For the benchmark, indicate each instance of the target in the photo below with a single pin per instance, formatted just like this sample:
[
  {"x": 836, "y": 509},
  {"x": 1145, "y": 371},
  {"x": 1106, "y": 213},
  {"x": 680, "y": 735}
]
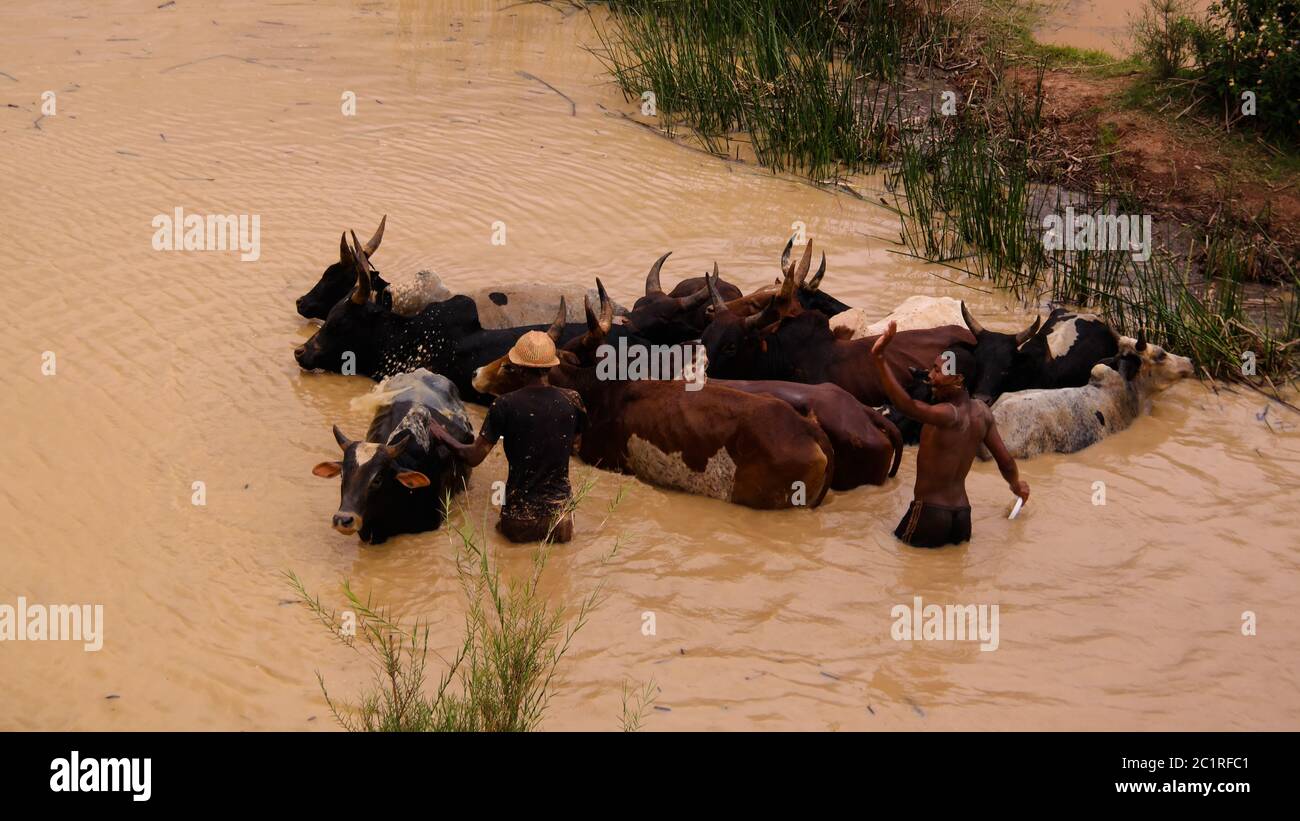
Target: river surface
[
  {"x": 175, "y": 367},
  {"x": 1100, "y": 25}
]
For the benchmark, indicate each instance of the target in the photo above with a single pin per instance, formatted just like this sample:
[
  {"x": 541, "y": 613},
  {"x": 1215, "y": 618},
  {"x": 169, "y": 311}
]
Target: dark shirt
[{"x": 539, "y": 424}]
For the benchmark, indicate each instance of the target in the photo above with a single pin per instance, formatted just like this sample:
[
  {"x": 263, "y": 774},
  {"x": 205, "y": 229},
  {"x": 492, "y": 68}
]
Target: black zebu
[
  {"x": 397, "y": 479},
  {"x": 338, "y": 278},
  {"x": 446, "y": 337}
]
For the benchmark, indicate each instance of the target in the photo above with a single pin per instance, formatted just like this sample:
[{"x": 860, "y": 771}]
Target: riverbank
[{"x": 923, "y": 87}]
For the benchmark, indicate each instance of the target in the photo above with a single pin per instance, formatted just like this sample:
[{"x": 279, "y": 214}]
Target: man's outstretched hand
[
  {"x": 1021, "y": 489},
  {"x": 884, "y": 339},
  {"x": 442, "y": 434}
]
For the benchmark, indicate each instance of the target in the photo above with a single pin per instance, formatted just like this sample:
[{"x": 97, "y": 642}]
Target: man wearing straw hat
[{"x": 541, "y": 425}]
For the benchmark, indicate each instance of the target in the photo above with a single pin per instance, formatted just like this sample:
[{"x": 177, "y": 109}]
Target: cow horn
[
  {"x": 711, "y": 284},
  {"x": 686, "y": 303},
  {"x": 767, "y": 316},
  {"x": 373, "y": 244},
  {"x": 361, "y": 293},
  {"x": 395, "y": 449},
  {"x": 974, "y": 326},
  {"x": 606, "y": 307},
  {"x": 652, "y": 286},
  {"x": 345, "y": 253},
  {"x": 341, "y": 438},
  {"x": 785, "y": 255},
  {"x": 557, "y": 327},
  {"x": 592, "y": 322},
  {"x": 1028, "y": 333},
  {"x": 692, "y": 301},
  {"x": 804, "y": 262},
  {"x": 1141, "y": 342},
  {"x": 817, "y": 277}
]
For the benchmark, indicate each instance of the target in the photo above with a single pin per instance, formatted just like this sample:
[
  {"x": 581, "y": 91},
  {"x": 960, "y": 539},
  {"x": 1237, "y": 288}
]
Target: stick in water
[{"x": 1015, "y": 511}]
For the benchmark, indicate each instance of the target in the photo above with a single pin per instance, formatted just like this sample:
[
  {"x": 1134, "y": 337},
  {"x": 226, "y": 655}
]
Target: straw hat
[{"x": 534, "y": 350}]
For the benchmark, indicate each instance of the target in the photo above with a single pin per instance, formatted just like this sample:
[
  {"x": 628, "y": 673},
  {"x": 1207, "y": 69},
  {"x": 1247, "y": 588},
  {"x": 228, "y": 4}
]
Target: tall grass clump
[
  {"x": 500, "y": 678},
  {"x": 810, "y": 83},
  {"x": 967, "y": 196}
]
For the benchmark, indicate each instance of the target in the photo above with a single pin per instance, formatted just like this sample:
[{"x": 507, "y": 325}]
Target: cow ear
[
  {"x": 413, "y": 479},
  {"x": 1129, "y": 366},
  {"x": 327, "y": 470}
]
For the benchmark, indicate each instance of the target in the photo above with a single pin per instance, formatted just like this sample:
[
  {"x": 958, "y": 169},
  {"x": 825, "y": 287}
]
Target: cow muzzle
[{"x": 347, "y": 522}]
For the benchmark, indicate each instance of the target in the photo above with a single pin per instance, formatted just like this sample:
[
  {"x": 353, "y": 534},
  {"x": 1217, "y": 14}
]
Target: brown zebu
[
  {"x": 750, "y": 449},
  {"x": 864, "y": 440},
  {"x": 802, "y": 348}
]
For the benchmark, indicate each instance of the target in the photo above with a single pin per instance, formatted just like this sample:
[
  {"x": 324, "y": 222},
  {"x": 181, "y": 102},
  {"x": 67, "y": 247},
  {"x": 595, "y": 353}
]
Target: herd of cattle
[{"x": 791, "y": 407}]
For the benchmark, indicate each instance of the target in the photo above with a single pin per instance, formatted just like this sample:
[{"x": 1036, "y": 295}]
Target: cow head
[
  {"x": 784, "y": 294},
  {"x": 808, "y": 291},
  {"x": 337, "y": 280},
  {"x": 350, "y": 326},
  {"x": 1000, "y": 365},
  {"x": 1160, "y": 369},
  {"x": 367, "y": 468},
  {"x": 731, "y": 340},
  {"x": 669, "y": 318}
]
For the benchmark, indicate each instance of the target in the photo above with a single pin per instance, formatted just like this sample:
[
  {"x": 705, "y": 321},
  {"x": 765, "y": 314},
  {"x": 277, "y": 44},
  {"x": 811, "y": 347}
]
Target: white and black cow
[
  {"x": 1060, "y": 354},
  {"x": 398, "y": 479},
  {"x": 1065, "y": 420}
]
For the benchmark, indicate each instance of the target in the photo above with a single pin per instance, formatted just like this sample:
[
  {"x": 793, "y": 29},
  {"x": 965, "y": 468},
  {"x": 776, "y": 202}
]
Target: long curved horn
[
  {"x": 974, "y": 326},
  {"x": 816, "y": 281},
  {"x": 652, "y": 286},
  {"x": 592, "y": 322},
  {"x": 711, "y": 284},
  {"x": 396, "y": 449},
  {"x": 361, "y": 293},
  {"x": 606, "y": 307},
  {"x": 557, "y": 327},
  {"x": 687, "y": 303},
  {"x": 373, "y": 245},
  {"x": 1028, "y": 333},
  {"x": 767, "y": 316},
  {"x": 341, "y": 438},
  {"x": 345, "y": 253},
  {"x": 804, "y": 262},
  {"x": 785, "y": 255}
]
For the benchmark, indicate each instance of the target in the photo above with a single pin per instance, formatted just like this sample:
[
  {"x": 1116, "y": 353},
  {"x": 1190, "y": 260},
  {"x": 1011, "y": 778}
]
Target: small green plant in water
[{"x": 501, "y": 677}]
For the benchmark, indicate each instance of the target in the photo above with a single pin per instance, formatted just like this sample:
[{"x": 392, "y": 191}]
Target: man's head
[
  {"x": 953, "y": 370},
  {"x": 533, "y": 353}
]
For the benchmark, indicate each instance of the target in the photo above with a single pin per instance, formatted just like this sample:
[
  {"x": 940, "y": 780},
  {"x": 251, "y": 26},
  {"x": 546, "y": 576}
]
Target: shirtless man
[{"x": 952, "y": 431}]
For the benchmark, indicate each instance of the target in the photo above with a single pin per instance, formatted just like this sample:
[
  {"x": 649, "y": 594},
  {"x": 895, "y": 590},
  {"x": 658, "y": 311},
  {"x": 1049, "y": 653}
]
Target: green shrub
[
  {"x": 1254, "y": 45},
  {"x": 1163, "y": 36}
]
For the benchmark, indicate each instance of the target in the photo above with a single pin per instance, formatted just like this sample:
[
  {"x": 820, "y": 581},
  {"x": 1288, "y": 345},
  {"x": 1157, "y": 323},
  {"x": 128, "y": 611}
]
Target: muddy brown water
[
  {"x": 176, "y": 367},
  {"x": 1100, "y": 25}
]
